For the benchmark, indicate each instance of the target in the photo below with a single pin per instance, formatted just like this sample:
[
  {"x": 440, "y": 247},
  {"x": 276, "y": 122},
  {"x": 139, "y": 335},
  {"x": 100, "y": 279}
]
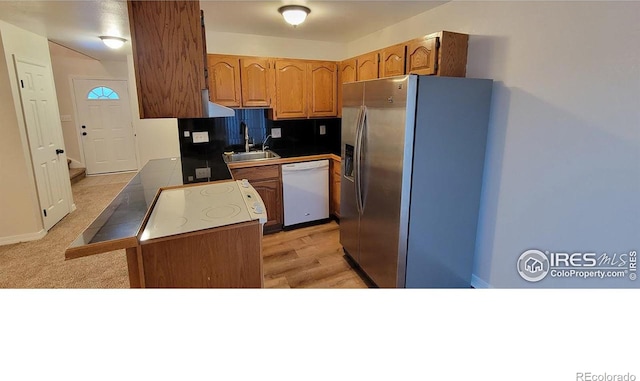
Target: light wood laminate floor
[{"x": 309, "y": 257}]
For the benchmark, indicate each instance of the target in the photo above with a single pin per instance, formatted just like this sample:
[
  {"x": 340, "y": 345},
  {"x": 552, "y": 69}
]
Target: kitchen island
[{"x": 121, "y": 223}]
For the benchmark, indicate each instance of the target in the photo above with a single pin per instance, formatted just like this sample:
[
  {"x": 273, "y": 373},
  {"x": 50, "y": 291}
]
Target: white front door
[
  {"x": 44, "y": 133},
  {"x": 105, "y": 125}
]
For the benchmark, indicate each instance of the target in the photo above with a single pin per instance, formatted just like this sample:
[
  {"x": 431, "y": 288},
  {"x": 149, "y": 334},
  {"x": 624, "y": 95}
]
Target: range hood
[{"x": 214, "y": 110}]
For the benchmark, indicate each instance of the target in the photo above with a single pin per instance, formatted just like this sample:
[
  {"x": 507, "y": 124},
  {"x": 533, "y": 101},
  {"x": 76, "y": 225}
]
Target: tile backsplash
[{"x": 211, "y": 136}]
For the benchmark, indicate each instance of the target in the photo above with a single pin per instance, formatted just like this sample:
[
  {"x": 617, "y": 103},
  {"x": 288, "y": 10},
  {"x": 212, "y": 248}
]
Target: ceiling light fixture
[
  {"x": 294, "y": 14},
  {"x": 113, "y": 42}
]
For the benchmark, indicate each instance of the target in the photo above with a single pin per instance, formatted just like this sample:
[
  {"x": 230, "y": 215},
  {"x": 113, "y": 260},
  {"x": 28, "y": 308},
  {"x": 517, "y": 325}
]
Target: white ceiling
[{"x": 77, "y": 24}]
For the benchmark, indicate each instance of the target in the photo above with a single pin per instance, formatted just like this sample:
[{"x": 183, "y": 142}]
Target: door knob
[
  {"x": 84, "y": 134},
  {"x": 59, "y": 151},
  {"x": 84, "y": 126}
]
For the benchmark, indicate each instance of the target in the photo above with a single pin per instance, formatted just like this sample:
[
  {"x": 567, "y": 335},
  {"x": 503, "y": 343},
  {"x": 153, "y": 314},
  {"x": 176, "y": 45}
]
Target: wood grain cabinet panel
[
  {"x": 422, "y": 56},
  {"x": 291, "y": 89},
  {"x": 452, "y": 54},
  {"x": 271, "y": 193},
  {"x": 334, "y": 201},
  {"x": 224, "y": 257},
  {"x": 392, "y": 61},
  {"x": 266, "y": 181},
  {"x": 257, "y": 81},
  {"x": 323, "y": 83},
  {"x": 167, "y": 43},
  {"x": 346, "y": 74},
  {"x": 224, "y": 80},
  {"x": 367, "y": 66},
  {"x": 348, "y": 71}
]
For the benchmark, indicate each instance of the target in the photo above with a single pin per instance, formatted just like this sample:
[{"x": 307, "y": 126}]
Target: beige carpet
[{"x": 41, "y": 264}]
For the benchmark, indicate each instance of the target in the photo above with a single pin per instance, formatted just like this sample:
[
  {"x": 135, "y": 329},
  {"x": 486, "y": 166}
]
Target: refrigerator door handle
[
  {"x": 358, "y": 159},
  {"x": 362, "y": 157}
]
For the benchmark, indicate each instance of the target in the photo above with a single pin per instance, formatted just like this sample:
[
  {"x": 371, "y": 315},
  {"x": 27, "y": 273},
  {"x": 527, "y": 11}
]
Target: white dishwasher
[{"x": 305, "y": 190}]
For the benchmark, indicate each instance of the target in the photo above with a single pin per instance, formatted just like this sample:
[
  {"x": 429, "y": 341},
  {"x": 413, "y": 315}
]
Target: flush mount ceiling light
[
  {"x": 113, "y": 42},
  {"x": 294, "y": 14}
]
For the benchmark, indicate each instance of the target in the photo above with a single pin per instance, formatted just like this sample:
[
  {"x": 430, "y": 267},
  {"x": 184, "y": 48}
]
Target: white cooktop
[{"x": 199, "y": 207}]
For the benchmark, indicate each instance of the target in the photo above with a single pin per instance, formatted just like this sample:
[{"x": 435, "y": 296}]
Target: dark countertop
[{"x": 118, "y": 225}]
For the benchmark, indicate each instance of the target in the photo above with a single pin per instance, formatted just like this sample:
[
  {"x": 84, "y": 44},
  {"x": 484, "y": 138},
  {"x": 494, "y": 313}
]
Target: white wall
[
  {"x": 68, "y": 64},
  {"x": 563, "y": 158},
  {"x": 155, "y": 138},
  {"x": 266, "y": 46},
  {"x": 19, "y": 205}
]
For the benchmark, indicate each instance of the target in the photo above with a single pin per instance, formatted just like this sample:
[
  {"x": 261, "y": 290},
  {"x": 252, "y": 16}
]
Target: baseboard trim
[
  {"x": 479, "y": 283},
  {"x": 22, "y": 238}
]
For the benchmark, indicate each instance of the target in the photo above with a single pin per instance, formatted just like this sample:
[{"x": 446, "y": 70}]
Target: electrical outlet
[
  {"x": 323, "y": 130},
  {"x": 200, "y": 137},
  {"x": 203, "y": 173},
  {"x": 276, "y": 133}
]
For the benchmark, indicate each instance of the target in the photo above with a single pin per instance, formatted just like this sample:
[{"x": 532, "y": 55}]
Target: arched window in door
[{"x": 102, "y": 92}]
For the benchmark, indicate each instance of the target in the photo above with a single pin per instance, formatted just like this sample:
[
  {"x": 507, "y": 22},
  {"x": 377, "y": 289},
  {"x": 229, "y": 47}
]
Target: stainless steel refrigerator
[{"x": 413, "y": 151}]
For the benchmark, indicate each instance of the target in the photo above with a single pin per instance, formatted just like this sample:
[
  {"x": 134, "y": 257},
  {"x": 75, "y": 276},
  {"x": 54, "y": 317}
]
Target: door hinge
[
  {"x": 45, "y": 212},
  {"x": 437, "y": 43}
]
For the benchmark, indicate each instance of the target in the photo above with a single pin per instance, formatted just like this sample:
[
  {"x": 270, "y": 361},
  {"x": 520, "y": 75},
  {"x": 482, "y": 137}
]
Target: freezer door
[
  {"x": 387, "y": 146},
  {"x": 352, "y": 96}
]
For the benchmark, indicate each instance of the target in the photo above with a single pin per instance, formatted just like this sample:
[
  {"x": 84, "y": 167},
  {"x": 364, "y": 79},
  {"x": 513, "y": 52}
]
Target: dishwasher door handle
[{"x": 295, "y": 169}]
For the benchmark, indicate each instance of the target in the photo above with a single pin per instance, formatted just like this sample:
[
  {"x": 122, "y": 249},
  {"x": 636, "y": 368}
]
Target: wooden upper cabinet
[
  {"x": 166, "y": 37},
  {"x": 224, "y": 80},
  {"x": 346, "y": 74},
  {"x": 291, "y": 89},
  {"x": 257, "y": 81},
  {"x": 367, "y": 66},
  {"x": 392, "y": 61},
  {"x": 422, "y": 56},
  {"x": 452, "y": 54},
  {"x": 323, "y": 89},
  {"x": 348, "y": 71}
]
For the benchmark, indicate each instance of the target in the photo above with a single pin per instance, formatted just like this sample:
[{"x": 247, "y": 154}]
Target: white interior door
[
  {"x": 45, "y": 140},
  {"x": 106, "y": 131}
]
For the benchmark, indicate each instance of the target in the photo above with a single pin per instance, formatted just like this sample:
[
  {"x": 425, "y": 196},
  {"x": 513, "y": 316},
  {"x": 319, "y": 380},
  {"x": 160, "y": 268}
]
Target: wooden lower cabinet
[
  {"x": 267, "y": 182},
  {"x": 271, "y": 193},
  {"x": 336, "y": 176},
  {"x": 224, "y": 257}
]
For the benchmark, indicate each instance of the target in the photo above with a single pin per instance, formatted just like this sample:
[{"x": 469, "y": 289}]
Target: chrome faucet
[
  {"x": 246, "y": 136},
  {"x": 264, "y": 142}
]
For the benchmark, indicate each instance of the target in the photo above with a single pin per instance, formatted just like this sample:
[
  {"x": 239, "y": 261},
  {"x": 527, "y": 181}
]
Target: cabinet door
[
  {"x": 422, "y": 56},
  {"x": 323, "y": 83},
  {"x": 271, "y": 193},
  {"x": 392, "y": 61},
  {"x": 266, "y": 181},
  {"x": 291, "y": 89},
  {"x": 348, "y": 71},
  {"x": 367, "y": 66},
  {"x": 257, "y": 82},
  {"x": 346, "y": 74},
  {"x": 166, "y": 38},
  {"x": 224, "y": 80}
]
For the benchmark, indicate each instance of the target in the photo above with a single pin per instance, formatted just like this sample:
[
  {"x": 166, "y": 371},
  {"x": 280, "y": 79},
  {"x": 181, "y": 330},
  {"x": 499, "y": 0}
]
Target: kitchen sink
[{"x": 250, "y": 156}]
